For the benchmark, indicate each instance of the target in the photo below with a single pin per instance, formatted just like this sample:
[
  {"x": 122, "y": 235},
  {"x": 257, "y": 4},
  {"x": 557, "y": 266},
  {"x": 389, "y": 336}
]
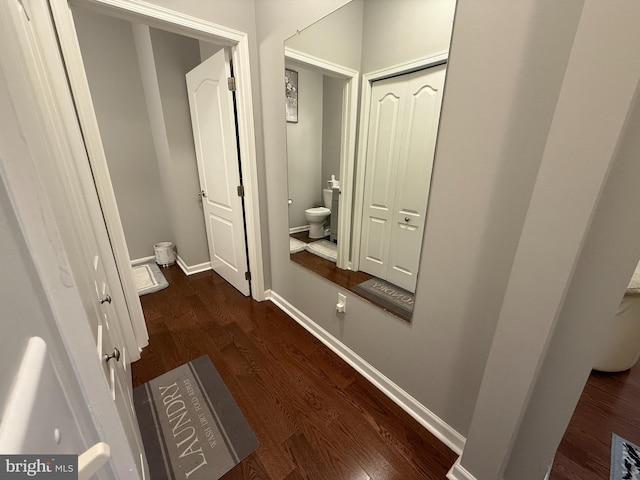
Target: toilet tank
[{"x": 327, "y": 195}]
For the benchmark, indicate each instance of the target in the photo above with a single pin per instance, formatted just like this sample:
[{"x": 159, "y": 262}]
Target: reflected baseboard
[
  {"x": 429, "y": 420},
  {"x": 302, "y": 228},
  {"x": 458, "y": 472}
]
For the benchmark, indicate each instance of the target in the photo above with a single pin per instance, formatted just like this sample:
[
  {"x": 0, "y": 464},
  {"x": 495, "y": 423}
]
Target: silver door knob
[
  {"x": 115, "y": 354},
  {"x": 105, "y": 299},
  {"x": 202, "y": 194}
]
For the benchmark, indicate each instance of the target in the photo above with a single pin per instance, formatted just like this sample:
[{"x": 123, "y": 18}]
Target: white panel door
[
  {"x": 387, "y": 107},
  {"x": 403, "y": 125},
  {"x": 214, "y": 134},
  {"x": 415, "y": 165}
]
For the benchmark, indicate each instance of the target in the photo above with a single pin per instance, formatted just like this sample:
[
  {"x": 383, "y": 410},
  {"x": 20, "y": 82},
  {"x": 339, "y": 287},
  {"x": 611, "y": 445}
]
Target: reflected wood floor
[
  {"x": 315, "y": 417},
  {"x": 610, "y": 403},
  {"x": 326, "y": 268}
]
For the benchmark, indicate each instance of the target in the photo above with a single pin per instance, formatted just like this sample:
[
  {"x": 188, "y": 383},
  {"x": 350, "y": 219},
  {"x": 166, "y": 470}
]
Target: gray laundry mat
[
  {"x": 389, "y": 296},
  {"x": 191, "y": 426}
]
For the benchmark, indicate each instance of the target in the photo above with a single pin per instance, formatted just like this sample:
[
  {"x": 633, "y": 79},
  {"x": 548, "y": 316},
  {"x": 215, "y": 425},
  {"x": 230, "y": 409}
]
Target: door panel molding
[
  {"x": 399, "y": 160},
  {"x": 365, "y": 110}
]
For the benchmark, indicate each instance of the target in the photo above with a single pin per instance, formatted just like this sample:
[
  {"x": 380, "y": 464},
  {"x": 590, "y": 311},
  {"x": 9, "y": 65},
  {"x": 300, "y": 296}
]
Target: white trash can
[
  {"x": 619, "y": 345},
  {"x": 165, "y": 254}
]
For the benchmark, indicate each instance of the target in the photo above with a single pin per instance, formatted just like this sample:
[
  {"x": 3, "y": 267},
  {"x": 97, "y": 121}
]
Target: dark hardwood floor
[
  {"x": 610, "y": 403},
  {"x": 325, "y": 268},
  {"x": 315, "y": 417}
]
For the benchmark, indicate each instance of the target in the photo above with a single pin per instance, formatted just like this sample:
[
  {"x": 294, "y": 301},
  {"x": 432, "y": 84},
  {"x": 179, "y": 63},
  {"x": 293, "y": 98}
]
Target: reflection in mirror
[{"x": 361, "y": 142}]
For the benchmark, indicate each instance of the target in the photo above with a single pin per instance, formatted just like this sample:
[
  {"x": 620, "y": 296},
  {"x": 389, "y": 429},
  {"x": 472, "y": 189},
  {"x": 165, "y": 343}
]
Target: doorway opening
[
  {"x": 136, "y": 77},
  {"x": 164, "y": 23}
]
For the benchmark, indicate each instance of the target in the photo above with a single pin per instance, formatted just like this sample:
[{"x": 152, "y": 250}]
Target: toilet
[{"x": 318, "y": 215}]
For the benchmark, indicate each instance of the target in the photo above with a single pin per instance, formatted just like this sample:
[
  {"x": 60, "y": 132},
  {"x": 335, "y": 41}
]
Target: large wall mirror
[{"x": 363, "y": 93}]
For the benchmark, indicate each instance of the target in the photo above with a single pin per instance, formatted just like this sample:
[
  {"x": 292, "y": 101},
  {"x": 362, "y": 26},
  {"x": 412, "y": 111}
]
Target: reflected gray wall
[
  {"x": 331, "y": 128},
  {"x": 313, "y": 143},
  {"x": 304, "y": 147},
  {"x": 338, "y": 38},
  {"x": 398, "y": 31}
]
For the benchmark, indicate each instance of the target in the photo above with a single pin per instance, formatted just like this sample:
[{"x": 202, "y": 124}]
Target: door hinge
[
  {"x": 241, "y": 190},
  {"x": 247, "y": 276},
  {"x": 231, "y": 83}
]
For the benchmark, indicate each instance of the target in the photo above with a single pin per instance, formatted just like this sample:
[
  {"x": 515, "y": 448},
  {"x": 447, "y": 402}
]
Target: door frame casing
[
  {"x": 348, "y": 143},
  {"x": 176, "y": 22},
  {"x": 365, "y": 110}
]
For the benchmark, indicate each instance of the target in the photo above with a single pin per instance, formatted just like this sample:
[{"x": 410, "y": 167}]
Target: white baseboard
[
  {"x": 440, "y": 429},
  {"x": 302, "y": 228},
  {"x": 191, "y": 269},
  {"x": 139, "y": 261},
  {"x": 458, "y": 472}
]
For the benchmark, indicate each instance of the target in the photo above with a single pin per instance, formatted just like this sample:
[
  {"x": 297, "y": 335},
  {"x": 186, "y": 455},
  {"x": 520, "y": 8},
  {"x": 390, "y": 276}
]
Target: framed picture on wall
[{"x": 291, "y": 94}]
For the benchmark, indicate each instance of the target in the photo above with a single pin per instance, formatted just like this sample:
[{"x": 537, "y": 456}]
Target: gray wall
[
  {"x": 304, "y": 147},
  {"x": 207, "y": 49},
  {"x": 587, "y": 311},
  {"x": 116, "y": 89},
  {"x": 239, "y": 15},
  {"x": 175, "y": 55},
  {"x": 155, "y": 184},
  {"x": 578, "y": 247},
  {"x": 478, "y": 202}
]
